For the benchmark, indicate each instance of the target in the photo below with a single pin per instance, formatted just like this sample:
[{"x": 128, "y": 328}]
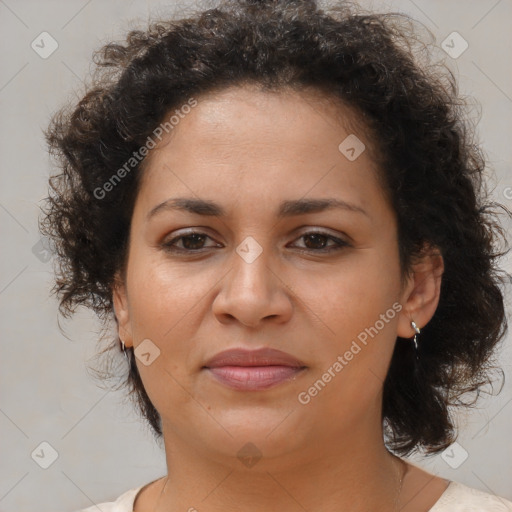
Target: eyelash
[{"x": 169, "y": 247}]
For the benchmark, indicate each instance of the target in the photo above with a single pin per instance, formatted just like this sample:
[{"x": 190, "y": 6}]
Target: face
[{"x": 265, "y": 263}]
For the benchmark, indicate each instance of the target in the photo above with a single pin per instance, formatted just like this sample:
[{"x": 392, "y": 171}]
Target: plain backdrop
[{"x": 100, "y": 446}]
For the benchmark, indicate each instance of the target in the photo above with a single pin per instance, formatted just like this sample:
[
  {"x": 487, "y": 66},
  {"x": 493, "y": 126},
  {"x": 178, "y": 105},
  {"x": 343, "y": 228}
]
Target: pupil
[
  {"x": 316, "y": 237},
  {"x": 197, "y": 239}
]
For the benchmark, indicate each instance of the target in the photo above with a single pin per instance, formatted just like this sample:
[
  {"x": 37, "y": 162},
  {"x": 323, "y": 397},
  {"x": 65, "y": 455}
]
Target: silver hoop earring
[
  {"x": 124, "y": 350},
  {"x": 417, "y": 331}
]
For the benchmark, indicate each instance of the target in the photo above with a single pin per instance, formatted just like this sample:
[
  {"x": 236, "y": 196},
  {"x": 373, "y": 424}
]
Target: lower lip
[{"x": 253, "y": 378}]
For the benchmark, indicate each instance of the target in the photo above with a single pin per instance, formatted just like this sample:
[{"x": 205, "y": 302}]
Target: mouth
[
  {"x": 254, "y": 378},
  {"x": 254, "y": 370}
]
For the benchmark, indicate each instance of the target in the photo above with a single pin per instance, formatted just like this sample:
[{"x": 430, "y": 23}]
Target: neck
[{"x": 353, "y": 471}]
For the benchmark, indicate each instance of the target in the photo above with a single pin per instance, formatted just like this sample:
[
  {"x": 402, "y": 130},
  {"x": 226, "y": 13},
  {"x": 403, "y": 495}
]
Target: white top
[{"x": 456, "y": 498}]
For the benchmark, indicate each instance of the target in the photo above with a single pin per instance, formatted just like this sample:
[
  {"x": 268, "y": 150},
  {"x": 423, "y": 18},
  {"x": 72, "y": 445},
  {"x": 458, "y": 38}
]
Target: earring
[
  {"x": 124, "y": 349},
  {"x": 417, "y": 330}
]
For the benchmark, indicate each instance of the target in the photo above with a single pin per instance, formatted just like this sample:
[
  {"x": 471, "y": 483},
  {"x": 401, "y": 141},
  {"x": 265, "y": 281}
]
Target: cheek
[
  {"x": 151, "y": 303},
  {"x": 354, "y": 292},
  {"x": 357, "y": 305},
  {"x": 162, "y": 308},
  {"x": 165, "y": 298}
]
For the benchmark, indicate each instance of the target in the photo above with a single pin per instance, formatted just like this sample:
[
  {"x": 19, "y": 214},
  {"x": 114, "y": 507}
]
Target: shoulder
[
  {"x": 122, "y": 504},
  {"x": 460, "y": 498}
]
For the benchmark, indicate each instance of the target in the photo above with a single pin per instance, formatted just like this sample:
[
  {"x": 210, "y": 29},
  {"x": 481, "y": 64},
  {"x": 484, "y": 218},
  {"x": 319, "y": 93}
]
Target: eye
[
  {"x": 316, "y": 238},
  {"x": 193, "y": 242}
]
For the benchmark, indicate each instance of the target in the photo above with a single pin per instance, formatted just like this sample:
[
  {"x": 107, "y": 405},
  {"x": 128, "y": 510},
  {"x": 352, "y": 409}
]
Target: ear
[
  {"x": 420, "y": 296},
  {"x": 122, "y": 311}
]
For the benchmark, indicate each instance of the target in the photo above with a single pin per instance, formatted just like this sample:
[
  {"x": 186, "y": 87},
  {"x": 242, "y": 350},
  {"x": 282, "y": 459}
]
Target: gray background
[{"x": 46, "y": 393}]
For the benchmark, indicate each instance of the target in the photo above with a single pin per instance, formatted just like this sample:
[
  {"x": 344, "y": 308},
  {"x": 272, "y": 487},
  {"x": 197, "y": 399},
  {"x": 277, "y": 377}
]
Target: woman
[{"x": 284, "y": 215}]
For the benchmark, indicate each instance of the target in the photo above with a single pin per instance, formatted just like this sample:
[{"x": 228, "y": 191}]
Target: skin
[{"x": 328, "y": 454}]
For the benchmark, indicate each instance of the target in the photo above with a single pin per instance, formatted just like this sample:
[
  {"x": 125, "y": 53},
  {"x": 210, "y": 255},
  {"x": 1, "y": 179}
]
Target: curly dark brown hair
[{"x": 431, "y": 169}]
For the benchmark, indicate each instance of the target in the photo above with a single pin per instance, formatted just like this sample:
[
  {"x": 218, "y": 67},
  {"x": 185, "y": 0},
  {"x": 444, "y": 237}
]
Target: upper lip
[{"x": 260, "y": 357}]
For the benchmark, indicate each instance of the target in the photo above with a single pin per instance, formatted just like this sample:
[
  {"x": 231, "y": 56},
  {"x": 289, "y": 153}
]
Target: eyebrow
[{"x": 286, "y": 208}]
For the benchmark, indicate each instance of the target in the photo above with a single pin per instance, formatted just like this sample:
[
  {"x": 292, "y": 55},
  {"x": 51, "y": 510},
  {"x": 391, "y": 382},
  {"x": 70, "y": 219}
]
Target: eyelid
[
  {"x": 187, "y": 232},
  {"x": 340, "y": 241}
]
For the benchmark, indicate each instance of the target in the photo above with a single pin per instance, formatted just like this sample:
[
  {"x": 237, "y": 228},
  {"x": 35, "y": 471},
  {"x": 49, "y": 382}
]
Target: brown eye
[
  {"x": 316, "y": 241},
  {"x": 191, "y": 242},
  {"x": 194, "y": 242}
]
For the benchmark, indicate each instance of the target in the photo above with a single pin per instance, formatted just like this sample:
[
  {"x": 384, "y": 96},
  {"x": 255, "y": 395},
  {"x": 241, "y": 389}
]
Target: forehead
[
  {"x": 242, "y": 141},
  {"x": 249, "y": 115}
]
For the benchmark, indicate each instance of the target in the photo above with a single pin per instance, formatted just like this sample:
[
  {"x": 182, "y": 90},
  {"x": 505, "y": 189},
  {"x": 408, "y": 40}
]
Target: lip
[
  {"x": 253, "y": 370},
  {"x": 260, "y": 357}
]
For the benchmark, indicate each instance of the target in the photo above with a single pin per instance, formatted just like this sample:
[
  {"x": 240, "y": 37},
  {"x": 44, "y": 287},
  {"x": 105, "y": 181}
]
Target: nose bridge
[
  {"x": 250, "y": 291},
  {"x": 251, "y": 263}
]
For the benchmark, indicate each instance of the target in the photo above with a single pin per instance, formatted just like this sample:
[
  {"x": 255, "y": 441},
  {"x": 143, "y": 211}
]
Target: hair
[{"x": 429, "y": 162}]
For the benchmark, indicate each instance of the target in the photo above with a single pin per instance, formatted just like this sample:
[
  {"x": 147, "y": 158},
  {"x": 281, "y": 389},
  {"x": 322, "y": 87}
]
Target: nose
[{"x": 252, "y": 292}]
